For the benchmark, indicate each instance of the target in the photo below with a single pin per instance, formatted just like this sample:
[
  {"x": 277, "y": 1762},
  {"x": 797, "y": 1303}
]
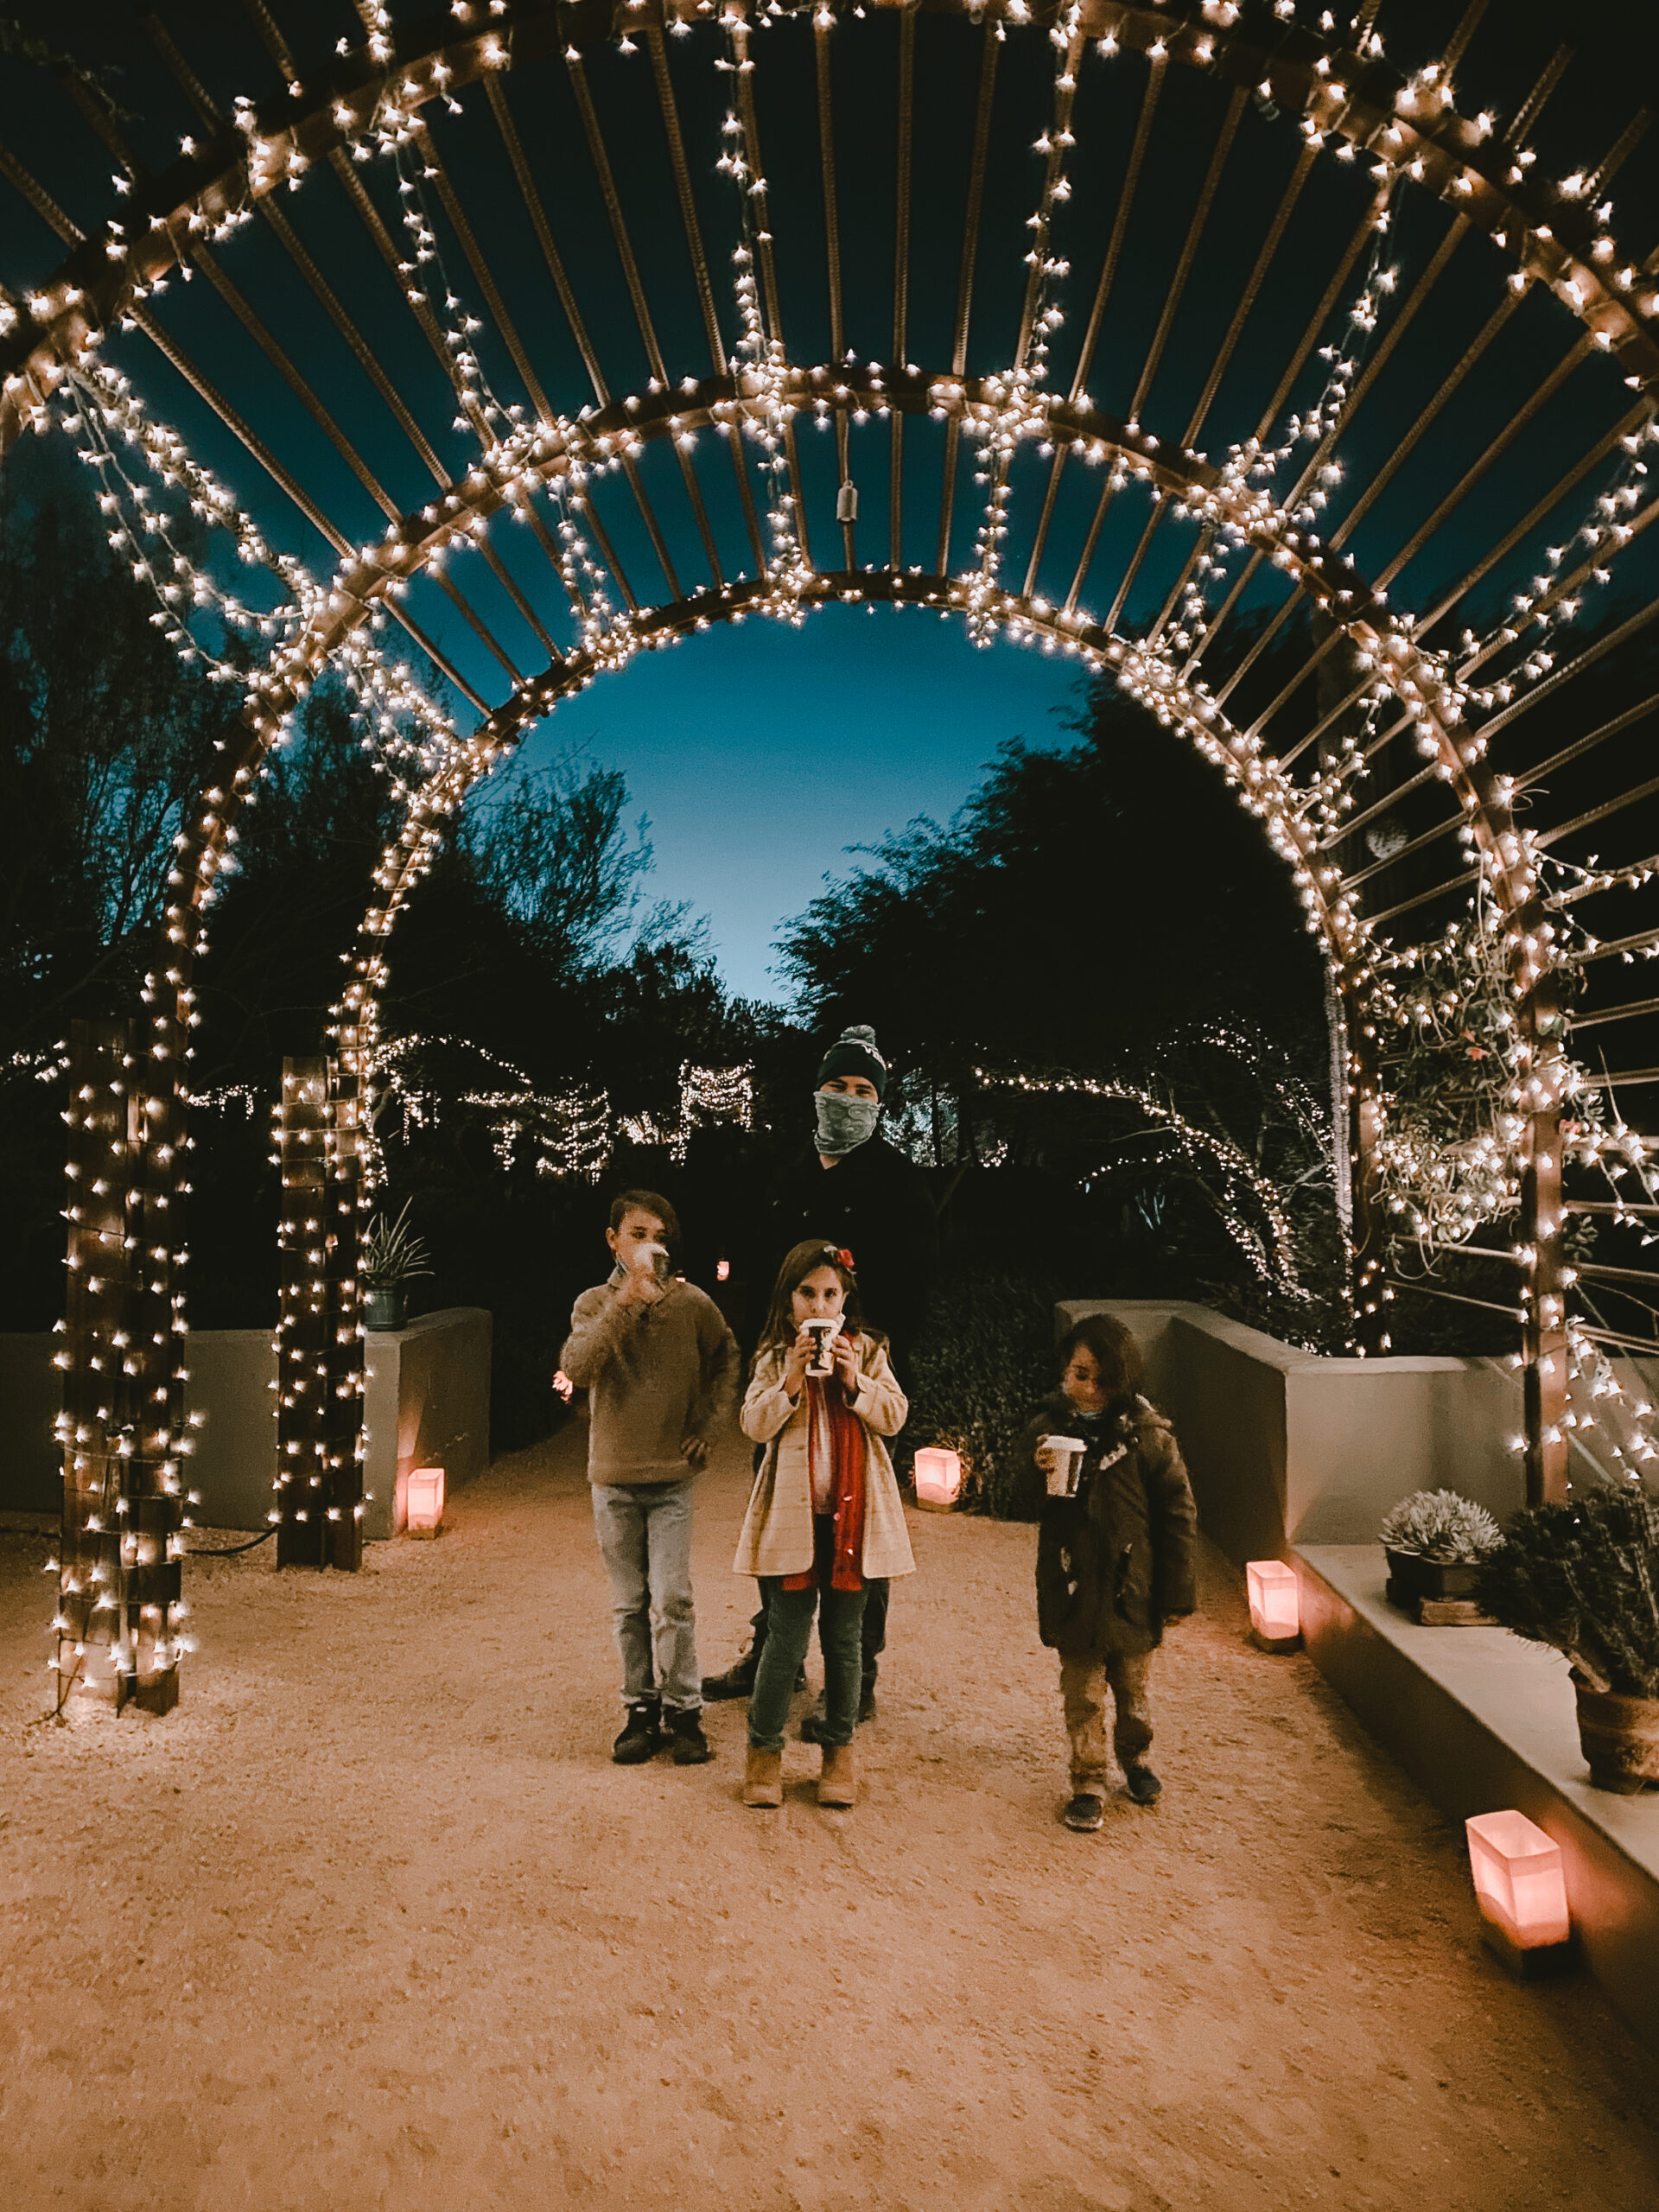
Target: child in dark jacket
[{"x": 1114, "y": 1561}]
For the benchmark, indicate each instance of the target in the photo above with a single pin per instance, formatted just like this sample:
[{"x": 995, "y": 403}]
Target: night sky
[{"x": 761, "y": 753}]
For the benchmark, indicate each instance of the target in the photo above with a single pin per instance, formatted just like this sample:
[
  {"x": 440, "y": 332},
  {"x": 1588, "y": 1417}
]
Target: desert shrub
[
  {"x": 1440, "y": 1525},
  {"x": 976, "y": 1375},
  {"x": 1585, "y": 1578}
]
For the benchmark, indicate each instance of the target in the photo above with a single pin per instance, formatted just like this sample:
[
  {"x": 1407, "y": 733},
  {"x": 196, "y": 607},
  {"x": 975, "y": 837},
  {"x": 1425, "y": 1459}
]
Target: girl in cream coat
[{"x": 826, "y": 1512}]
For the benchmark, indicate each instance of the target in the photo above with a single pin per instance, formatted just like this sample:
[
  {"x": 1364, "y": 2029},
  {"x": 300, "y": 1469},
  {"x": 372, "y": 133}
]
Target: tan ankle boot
[
  {"x": 763, "y": 1778},
  {"x": 838, "y": 1784}
]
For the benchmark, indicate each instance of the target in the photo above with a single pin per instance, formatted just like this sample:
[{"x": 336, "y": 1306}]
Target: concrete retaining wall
[
  {"x": 1482, "y": 1721},
  {"x": 428, "y": 1403},
  {"x": 1286, "y": 1447},
  {"x": 31, "y": 1398}
]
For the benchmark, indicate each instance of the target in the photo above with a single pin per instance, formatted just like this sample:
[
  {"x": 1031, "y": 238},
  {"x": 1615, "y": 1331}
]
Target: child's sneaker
[
  {"x": 691, "y": 1747},
  {"x": 1085, "y": 1813},
  {"x": 642, "y": 1738},
  {"x": 1144, "y": 1785}
]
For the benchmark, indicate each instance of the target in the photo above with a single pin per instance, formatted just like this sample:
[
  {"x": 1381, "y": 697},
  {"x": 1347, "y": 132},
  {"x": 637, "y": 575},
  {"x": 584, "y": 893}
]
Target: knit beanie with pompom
[{"x": 853, "y": 1052}]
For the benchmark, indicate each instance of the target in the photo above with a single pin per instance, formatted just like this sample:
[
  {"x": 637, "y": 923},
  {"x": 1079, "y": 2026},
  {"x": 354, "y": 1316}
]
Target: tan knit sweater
[{"x": 657, "y": 1377}]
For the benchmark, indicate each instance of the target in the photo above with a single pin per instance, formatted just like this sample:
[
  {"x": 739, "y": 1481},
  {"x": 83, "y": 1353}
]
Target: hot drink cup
[
  {"x": 1063, "y": 1475},
  {"x": 652, "y": 1260},
  {"x": 824, "y": 1334}
]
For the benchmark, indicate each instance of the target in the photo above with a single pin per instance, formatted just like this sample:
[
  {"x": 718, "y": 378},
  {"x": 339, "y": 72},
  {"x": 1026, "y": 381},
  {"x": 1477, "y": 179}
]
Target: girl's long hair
[{"x": 800, "y": 1261}]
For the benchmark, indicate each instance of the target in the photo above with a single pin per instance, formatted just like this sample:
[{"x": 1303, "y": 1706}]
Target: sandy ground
[{"x": 373, "y": 1921}]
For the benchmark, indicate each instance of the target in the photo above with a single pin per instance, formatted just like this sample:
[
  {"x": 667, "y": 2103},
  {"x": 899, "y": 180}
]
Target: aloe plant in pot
[
  {"x": 1435, "y": 1541},
  {"x": 1585, "y": 1578},
  {"x": 392, "y": 1257}
]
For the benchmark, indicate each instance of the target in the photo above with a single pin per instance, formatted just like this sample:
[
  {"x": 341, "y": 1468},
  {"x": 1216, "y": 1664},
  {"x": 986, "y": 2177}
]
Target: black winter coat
[
  {"x": 877, "y": 1205},
  {"x": 1114, "y": 1561}
]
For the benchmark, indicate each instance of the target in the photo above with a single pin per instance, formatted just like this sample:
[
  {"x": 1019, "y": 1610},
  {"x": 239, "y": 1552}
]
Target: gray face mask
[{"x": 844, "y": 1122}]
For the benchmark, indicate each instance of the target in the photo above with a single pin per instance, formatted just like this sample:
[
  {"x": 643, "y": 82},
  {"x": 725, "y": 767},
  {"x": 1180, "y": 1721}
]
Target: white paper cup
[
  {"x": 652, "y": 1260},
  {"x": 1063, "y": 1480},
  {"x": 824, "y": 1334}
]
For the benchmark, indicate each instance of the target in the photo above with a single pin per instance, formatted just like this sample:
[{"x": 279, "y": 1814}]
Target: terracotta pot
[
  {"x": 1411, "y": 1577},
  {"x": 1619, "y": 1736}
]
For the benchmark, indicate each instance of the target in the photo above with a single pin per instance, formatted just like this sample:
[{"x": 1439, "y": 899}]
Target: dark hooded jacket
[
  {"x": 1119, "y": 1558},
  {"x": 875, "y": 1204}
]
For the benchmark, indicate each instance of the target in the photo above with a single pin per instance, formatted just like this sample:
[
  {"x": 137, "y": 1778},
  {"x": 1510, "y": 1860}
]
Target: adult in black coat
[
  {"x": 875, "y": 1204},
  {"x": 856, "y": 1190}
]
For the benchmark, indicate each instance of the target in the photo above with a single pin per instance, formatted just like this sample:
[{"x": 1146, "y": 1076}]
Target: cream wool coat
[{"x": 777, "y": 1536}]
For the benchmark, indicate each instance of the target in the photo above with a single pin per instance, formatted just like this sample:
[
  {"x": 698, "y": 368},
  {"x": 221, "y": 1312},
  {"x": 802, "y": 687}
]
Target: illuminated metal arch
[
  {"x": 1330, "y": 582},
  {"x": 1553, "y": 236}
]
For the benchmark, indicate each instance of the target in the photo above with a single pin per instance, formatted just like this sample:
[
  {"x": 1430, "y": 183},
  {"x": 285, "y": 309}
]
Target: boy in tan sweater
[{"x": 660, "y": 1367}]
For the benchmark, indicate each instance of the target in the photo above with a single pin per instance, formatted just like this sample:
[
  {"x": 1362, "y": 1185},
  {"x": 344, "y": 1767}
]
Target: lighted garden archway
[{"x": 1372, "y": 740}]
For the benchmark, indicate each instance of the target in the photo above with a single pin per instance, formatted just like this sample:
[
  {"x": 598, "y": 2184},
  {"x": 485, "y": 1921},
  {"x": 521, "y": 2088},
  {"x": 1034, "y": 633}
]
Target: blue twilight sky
[{"x": 760, "y": 753}]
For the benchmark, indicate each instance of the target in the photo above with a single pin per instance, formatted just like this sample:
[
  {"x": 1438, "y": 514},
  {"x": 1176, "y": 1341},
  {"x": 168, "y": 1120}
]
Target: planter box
[
  {"x": 1437, "y": 1593},
  {"x": 1619, "y": 1737}
]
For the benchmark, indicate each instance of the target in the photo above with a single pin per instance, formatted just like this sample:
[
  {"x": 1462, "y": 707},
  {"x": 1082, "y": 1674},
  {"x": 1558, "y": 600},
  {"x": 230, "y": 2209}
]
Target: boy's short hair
[
  {"x": 1117, "y": 1356},
  {"x": 627, "y": 1202}
]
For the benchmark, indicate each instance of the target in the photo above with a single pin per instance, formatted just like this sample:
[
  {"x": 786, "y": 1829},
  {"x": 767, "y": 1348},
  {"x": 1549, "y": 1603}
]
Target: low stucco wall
[
  {"x": 31, "y": 1398},
  {"x": 233, "y": 1387},
  {"x": 1481, "y": 1721},
  {"x": 232, "y": 1379},
  {"x": 428, "y": 1403},
  {"x": 1286, "y": 1447}
]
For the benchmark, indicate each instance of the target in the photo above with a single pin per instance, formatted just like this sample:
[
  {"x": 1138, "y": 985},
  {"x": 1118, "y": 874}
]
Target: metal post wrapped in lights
[
  {"x": 424, "y": 1500},
  {"x": 938, "y": 1478},
  {"x": 1521, "y": 1887},
  {"x": 1275, "y": 1605}
]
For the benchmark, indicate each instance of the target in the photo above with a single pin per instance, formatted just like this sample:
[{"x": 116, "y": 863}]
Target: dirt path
[{"x": 371, "y": 1921}]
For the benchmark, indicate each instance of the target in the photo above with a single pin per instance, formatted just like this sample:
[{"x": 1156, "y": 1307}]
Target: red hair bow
[{"x": 846, "y": 1259}]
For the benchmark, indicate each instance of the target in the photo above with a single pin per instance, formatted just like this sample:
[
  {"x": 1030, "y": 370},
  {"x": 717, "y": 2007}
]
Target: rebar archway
[{"x": 1370, "y": 738}]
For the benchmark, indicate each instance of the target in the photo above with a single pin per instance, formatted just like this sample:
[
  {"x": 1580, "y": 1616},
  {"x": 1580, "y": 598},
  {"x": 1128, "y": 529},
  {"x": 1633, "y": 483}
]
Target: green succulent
[
  {"x": 391, "y": 1255},
  {"x": 1440, "y": 1525}
]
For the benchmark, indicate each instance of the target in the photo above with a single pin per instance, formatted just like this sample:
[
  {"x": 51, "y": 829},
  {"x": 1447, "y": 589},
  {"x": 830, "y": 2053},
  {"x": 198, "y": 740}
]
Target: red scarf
[{"x": 848, "y": 1455}]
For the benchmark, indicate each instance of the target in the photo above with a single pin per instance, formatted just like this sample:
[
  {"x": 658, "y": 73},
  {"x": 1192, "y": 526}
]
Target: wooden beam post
[
  {"x": 125, "y": 1442},
  {"x": 1544, "y": 1372},
  {"x": 319, "y": 1333}
]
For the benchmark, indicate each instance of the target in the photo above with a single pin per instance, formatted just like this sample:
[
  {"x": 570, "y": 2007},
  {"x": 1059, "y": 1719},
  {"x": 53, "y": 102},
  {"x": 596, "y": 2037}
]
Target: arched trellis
[{"x": 1345, "y": 95}]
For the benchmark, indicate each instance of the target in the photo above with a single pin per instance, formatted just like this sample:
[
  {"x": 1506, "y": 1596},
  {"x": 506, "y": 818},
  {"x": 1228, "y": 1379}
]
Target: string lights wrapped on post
[
  {"x": 319, "y": 1381},
  {"x": 126, "y": 1442}
]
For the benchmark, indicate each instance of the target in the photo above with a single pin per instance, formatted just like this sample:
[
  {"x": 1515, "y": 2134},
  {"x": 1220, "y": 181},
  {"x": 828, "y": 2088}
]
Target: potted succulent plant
[
  {"x": 391, "y": 1258},
  {"x": 1585, "y": 1578},
  {"x": 1435, "y": 1541}
]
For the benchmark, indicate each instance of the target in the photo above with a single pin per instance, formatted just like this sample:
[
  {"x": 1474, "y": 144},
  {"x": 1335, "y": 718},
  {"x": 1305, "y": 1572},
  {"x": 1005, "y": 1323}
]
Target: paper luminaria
[
  {"x": 1276, "y": 1612},
  {"x": 424, "y": 1500},
  {"x": 1519, "y": 1881},
  {"x": 938, "y": 1476}
]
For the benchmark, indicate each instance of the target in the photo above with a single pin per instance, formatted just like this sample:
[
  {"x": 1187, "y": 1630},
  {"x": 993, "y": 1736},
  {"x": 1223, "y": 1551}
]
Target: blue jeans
[
  {"x": 789, "y": 1628},
  {"x": 644, "y": 1540}
]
